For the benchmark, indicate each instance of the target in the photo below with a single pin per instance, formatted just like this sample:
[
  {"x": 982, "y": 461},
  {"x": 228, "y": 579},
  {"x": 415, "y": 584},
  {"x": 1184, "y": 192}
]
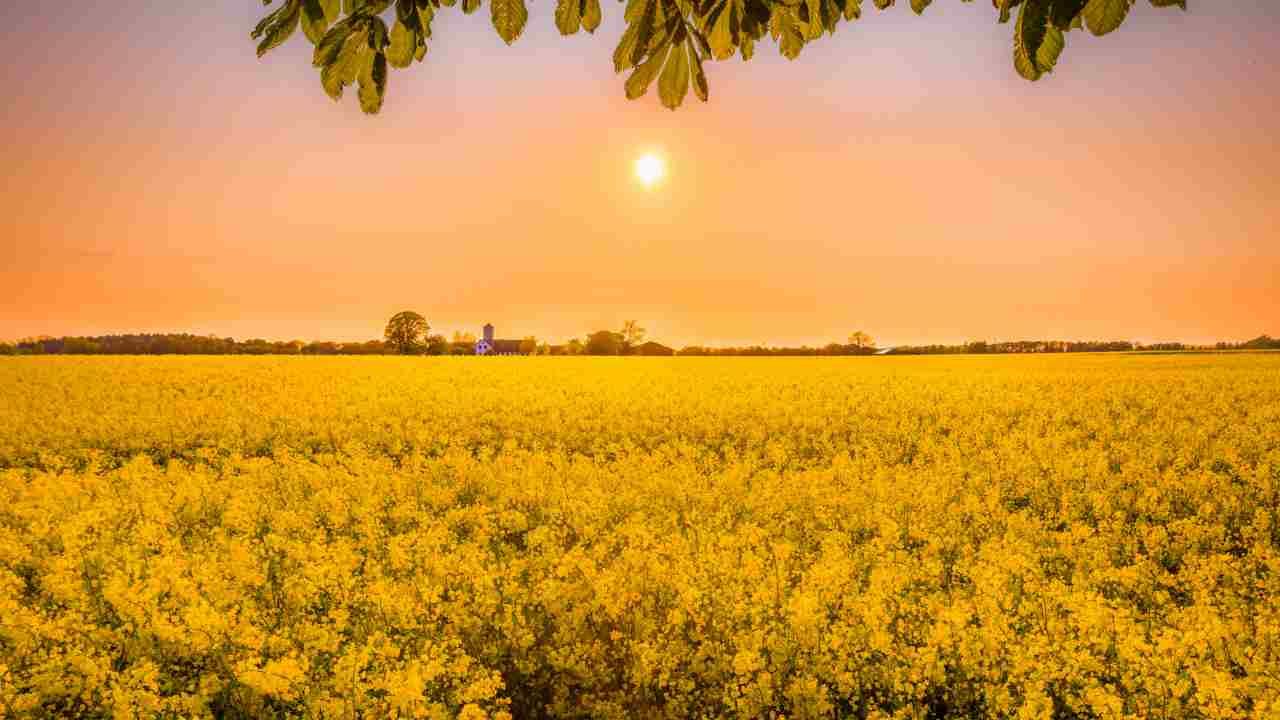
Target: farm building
[
  {"x": 653, "y": 348},
  {"x": 487, "y": 345}
]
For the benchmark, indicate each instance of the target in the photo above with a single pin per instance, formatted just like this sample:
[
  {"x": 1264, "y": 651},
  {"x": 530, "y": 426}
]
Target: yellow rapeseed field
[{"x": 970, "y": 537}]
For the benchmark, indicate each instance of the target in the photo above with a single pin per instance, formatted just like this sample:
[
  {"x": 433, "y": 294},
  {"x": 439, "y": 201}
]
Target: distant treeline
[
  {"x": 980, "y": 347},
  {"x": 601, "y": 343},
  {"x": 184, "y": 344}
]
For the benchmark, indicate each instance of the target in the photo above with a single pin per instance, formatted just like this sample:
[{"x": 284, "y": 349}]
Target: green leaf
[
  {"x": 1104, "y": 16},
  {"x": 883, "y": 4},
  {"x": 852, "y": 9},
  {"x": 647, "y": 36},
  {"x": 332, "y": 10},
  {"x": 755, "y": 17},
  {"x": 1050, "y": 49},
  {"x": 426, "y": 13},
  {"x": 591, "y": 15},
  {"x": 568, "y": 16},
  {"x": 673, "y": 84},
  {"x": 373, "y": 83},
  {"x": 813, "y": 23},
  {"x": 404, "y": 43},
  {"x": 345, "y": 66},
  {"x": 509, "y": 18},
  {"x": 470, "y": 6},
  {"x": 786, "y": 30},
  {"x": 407, "y": 15},
  {"x": 721, "y": 38},
  {"x": 1028, "y": 35},
  {"x": 352, "y": 62},
  {"x": 1005, "y": 7},
  {"x": 703, "y": 46},
  {"x": 331, "y": 81},
  {"x": 635, "y": 10},
  {"x": 327, "y": 51},
  {"x": 278, "y": 26},
  {"x": 699, "y": 75},
  {"x": 263, "y": 24},
  {"x": 920, "y": 5},
  {"x": 1065, "y": 12},
  {"x": 626, "y": 46},
  {"x": 830, "y": 15},
  {"x": 1169, "y": 3},
  {"x": 378, "y": 39},
  {"x": 792, "y": 41},
  {"x": 640, "y": 78},
  {"x": 314, "y": 22}
]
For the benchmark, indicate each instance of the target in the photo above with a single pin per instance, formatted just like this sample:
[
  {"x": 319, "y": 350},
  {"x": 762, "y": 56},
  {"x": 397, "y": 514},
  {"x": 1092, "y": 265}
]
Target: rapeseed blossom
[{"x": 681, "y": 538}]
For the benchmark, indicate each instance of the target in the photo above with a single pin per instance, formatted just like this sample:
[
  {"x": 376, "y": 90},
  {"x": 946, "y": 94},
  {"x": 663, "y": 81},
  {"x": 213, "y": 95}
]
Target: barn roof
[{"x": 655, "y": 348}]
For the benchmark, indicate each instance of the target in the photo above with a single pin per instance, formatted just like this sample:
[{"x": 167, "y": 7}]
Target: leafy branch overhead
[{"x": 666, "y": 40}]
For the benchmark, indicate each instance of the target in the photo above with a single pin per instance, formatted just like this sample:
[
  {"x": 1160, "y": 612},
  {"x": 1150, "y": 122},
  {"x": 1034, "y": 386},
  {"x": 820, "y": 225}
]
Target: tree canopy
[
  {"x": 666, "y": 40},
  {"x": 405, "y": 331},
  {"x": 860, "y": 339},
  {"x": 604, "y": 342}
]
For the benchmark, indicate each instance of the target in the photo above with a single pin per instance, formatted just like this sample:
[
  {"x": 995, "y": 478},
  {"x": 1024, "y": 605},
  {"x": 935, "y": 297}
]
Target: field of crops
[{"x": 1029, "y": 537}]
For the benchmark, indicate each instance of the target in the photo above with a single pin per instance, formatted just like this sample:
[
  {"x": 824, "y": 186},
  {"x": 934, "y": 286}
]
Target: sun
[{"x": 650, "y": 168}]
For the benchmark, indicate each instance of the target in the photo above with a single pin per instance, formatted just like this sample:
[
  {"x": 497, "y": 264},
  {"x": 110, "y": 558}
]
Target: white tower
[{"x": 485, "y": 344}]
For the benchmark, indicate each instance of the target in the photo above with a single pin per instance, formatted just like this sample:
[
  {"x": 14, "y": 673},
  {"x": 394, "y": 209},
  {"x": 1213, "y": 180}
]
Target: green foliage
[
  {"x": 665, "y": 40},
  {"x": 1104, "y": 16},
  {"x": 1029, "y": 37},
  {"x": 509, "y": 18},
  {"x": 568, "y": 16},
  {"x": 276, "y": 27}
]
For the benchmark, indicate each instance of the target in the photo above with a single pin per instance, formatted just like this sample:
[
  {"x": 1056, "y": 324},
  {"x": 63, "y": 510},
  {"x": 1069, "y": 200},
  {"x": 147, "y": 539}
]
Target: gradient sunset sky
[{"x": 898, "y": 178}]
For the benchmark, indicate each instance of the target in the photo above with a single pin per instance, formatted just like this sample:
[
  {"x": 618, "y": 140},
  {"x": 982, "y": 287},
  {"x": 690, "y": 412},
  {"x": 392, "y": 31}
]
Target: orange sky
[{"x": 897, "y": 178}]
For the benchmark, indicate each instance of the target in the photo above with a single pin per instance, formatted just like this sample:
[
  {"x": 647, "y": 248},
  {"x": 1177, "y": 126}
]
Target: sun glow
[{"x": 650, "y": 168}]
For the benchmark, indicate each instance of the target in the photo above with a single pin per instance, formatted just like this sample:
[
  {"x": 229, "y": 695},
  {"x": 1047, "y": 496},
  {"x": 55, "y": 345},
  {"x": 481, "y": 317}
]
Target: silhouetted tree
[
  {"x": 321, "y": 348},
  {"x": 860, "y": 340},
  {"x": 79, "y": 346},
  {"x": 437, "y": 345},
  {"x": 632, "y": 336},
  {"x": 665, "y": 40},
  {"x": 529, "y": 345},
  {"x": 405, "y": 330},
  {"x": 1262, "y": 342},
  {"x": 604, "y": 342}
]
